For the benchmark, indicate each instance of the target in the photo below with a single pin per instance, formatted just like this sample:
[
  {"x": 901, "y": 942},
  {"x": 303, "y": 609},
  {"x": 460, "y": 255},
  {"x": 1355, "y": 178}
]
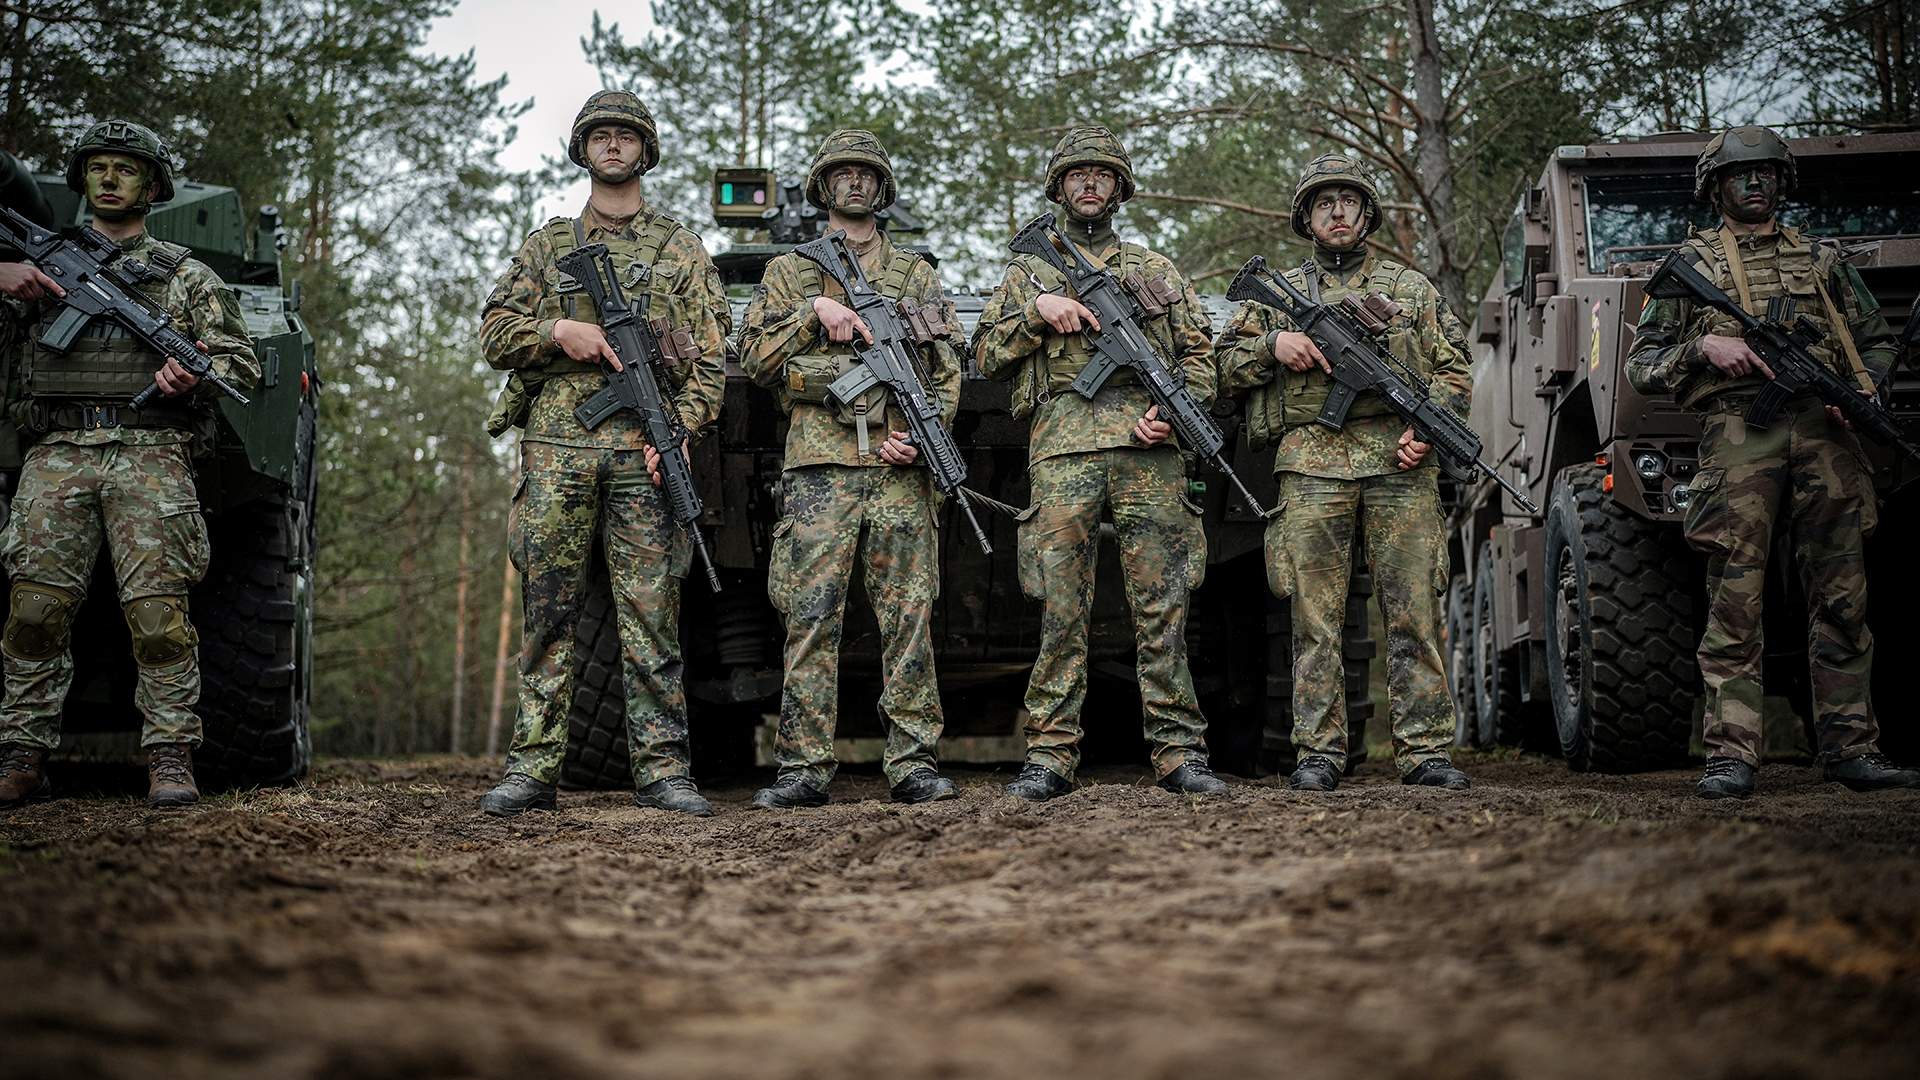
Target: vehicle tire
[
  {"x": 1357, "y": 651},
  {"x": 1619, "y": 630},
  {"x": 254, "y": 612},
  {"x": 1460, "y": 669},
  {"x": 597, "y": 722},
  {"x": 1501, "y": 717}
]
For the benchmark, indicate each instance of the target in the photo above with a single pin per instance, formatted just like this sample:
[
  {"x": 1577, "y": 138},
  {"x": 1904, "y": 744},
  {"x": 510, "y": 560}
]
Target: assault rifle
[
  {"x": 892, "y": 361},
  {"x": 1120, "y": 342},
  {"x": 1781, "y": 339},
  {"x": 101, "y": 283},
  {"x": 636, "y": 386},
  {"x": 1350, "y": 334}
]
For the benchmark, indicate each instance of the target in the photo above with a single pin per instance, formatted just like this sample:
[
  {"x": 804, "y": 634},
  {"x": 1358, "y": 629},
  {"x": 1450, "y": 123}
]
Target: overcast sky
[{"x": 541, "y": 58}]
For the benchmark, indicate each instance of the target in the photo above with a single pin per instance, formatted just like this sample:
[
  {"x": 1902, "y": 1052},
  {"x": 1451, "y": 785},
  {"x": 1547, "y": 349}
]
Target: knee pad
[
  {"x": 161, "y": 633},
  {"x": 39, "y": 619}
]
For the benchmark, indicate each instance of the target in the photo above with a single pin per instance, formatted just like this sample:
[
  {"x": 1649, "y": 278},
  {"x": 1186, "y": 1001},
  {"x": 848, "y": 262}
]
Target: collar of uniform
[
  {"x": 1347, "y": 268},
  {"x": 596, "y": 222},
  {"x": 1094, "y": 237}
]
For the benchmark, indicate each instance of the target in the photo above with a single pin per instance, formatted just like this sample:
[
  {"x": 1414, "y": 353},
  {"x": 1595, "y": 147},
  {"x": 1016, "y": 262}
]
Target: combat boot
[
  {"x": 787, "y": 793},
  {"x": 1871, "y": 772},
  {"x": 1437, "y": 772},
  {"x": 675, "y": 793},
  {"x": 1193, "y": 778},
  {"x": 1037, "y": 783},
  {"x": 23, "y": 775},
  {"x": 170, "y": 776},
  {"x": 1725, "y": 778},
  {"x": 516, "y": 795},
  {"x": 1314, "y": 773},
  {"x": 924, "y": 785}
]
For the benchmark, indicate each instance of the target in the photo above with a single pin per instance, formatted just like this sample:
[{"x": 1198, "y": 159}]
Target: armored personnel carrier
[
  {"x": 986, "y": 633},
  {"x": 1574, "y": 629},
  {"x": 257, "y": 485}
]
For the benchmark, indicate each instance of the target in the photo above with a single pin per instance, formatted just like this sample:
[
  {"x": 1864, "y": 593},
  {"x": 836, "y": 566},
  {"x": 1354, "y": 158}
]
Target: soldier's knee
[
  {"x": 161, "y": 633},
  {"x": 39, "y": 621}
]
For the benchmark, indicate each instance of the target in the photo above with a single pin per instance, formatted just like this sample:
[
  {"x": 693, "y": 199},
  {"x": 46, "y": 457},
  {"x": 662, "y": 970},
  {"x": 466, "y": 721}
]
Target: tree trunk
[
  {"x": 460, "y": 605},
  {"x": 1434, "y": 158},
  {"x": 500, "y": 656}
]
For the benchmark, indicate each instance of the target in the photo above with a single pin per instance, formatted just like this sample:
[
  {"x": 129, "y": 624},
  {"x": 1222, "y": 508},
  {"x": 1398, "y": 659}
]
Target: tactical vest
[
  {"x": 1795, "y": 270},
  {"x": 564, "y": 234},
  {"x": 808, "y": 375},
  {"x": 1052, "y": 370},
  {"x": 1294, "y": 398},
  {"x": 88, "y": 386}
]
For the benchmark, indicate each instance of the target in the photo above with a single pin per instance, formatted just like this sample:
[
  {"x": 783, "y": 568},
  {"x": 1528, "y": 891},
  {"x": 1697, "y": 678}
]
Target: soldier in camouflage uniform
[
  {"x": 850, "y": 470},
  {"x": 100, "y": 471},
  {"x": 576, "y": 484},
  {"x": 1806, "y": 466},
  {"x": 1371, "y": 473},
  {"x": 1111, "y": 453}
]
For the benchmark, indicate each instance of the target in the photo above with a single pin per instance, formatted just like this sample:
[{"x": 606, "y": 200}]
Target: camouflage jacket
[
  {"x": 1666, "y": 352},
  {"x": 516, "y": 327},
  {"x": 784, "y": 348},
  {"x": 1013, "y": 342},
  {"x": 1425, "y": 336},
  {"x": 202, "y": 307}
]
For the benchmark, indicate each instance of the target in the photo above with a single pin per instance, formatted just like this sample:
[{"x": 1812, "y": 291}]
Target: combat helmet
[
  {"x": 1334, "y": 169},
  {"x": 850, "y": 146},
  {"x": 1738, "y": 146},
  {"x": 122, "y": 137},
  {"x": 615, "y": 107},
  {"x": 1089, "y": 145}
]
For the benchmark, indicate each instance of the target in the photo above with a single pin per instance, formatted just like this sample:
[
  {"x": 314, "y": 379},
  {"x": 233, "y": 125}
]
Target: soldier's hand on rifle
[
  {"x": 1150, "y": 430},
  {"x": 1834, "y": 414},
  {"x": 586, "y": 343},
  {"x": 1411, "y": 450},
  {"x": 1732, "y": 355},
  {"x": 653, "y": 460},
  {"x": 898, "y": 451},
  {"x": 1297, "y": 352},
  {"x": 175, "y": 380},
  {"x": 24, "y": 281},
  {"x": 840, "y": 321},
  {"x": 1065, "y": 314}
]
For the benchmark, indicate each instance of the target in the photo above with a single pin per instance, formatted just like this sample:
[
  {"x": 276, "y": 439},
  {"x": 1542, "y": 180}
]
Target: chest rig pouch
[
  {"x": 87, "y": 386},
  {"x": 1790, "y": 286},
  {"x": 637, "y": 269},
  {"x": 1052, "y": 370},
  {"x": 810, "y": 375}
]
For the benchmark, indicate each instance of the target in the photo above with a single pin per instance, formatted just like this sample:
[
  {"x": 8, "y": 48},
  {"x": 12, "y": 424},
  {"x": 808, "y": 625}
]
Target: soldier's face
[
  {"x": 852, "y": 189},
  {"x": 1337, "y": 215},
  {"x": 1089, "y": 191},
  {"x": 613, "y": 153},
  {"x": 115, "y": 182},
  {"x": 1749, "y": 194}
]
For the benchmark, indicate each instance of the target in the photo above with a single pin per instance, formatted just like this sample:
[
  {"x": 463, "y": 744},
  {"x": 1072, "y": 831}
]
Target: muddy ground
[{"x": 371, "y": 923}]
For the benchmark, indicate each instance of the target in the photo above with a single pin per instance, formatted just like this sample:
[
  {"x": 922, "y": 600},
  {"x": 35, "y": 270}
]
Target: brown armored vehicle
[
  {"x": 986, "y": 633},
  {"x": 1576, "y": 628}
]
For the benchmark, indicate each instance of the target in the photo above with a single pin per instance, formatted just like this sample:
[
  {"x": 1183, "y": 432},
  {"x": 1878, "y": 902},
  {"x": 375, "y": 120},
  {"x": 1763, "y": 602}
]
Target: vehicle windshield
[{"x": 1637, "y": 218}]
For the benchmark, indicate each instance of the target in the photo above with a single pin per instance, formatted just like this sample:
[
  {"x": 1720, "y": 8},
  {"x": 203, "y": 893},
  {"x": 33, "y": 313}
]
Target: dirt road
[{"x": 370, "y": 923}]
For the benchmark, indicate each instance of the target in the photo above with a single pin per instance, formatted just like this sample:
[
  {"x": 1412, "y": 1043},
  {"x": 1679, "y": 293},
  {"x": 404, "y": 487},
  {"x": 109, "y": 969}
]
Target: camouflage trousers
[
  {"x": 139, "y": 500},
  {"x": 1309, "y": 546},
  {"x": 831, "y": 515},
  {"x": 1163, "y": 558},
  {"x": 568, "y": 496},
  {"x": 1808, "y": 469}
]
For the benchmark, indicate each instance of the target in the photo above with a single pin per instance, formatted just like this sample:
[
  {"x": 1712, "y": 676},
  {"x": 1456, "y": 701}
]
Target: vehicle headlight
[
  {"x": 1649, "y": 464},
  {"x": 1682, "y": 495}
]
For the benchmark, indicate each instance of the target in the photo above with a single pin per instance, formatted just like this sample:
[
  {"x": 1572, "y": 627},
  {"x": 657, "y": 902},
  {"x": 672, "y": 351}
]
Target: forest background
[{"x": 386, "y": 160}]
